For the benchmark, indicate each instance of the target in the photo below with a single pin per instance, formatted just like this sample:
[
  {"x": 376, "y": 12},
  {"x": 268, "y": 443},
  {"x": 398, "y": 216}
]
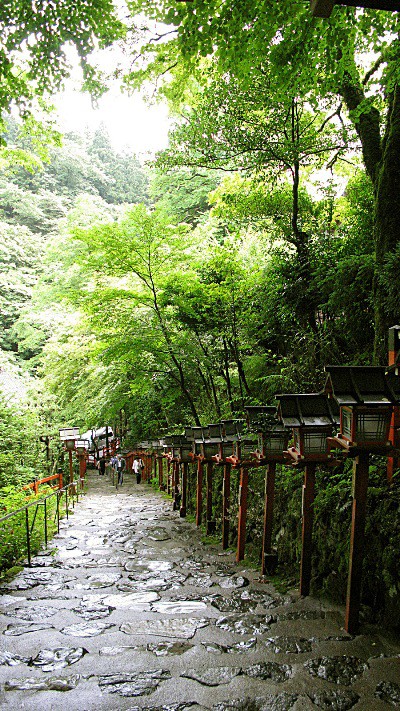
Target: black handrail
[{"x": 71, "y": 490}]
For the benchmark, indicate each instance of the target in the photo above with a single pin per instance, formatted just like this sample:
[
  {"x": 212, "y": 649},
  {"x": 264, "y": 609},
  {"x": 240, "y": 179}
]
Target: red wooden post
[
  {"x": 243, "y": 490},
  {"x": 173, "y": 474},
  {"x": 182, "y": 511},
  {"x": 226, "y": 502},
  {"x": 210, "y": 521},
  {"x": 199, "y": 493},
  {"x": 268, "y": 514},
  {"x": 160, "y": 474},
  {"x": 360, "y": 487},
  {"x": 393, "y": 462},
  {"x": 308, "y": 516},
  {"x": 175, "y": 490},
  {"x": 71, "y": 471},
  {"x": 82, "y": 467},
  {"x": 168, "y": 477}
]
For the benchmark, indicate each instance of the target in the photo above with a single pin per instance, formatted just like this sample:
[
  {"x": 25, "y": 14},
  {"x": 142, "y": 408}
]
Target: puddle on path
[
  {"x": 151, "y": 584},
  {"x": 50, "y": 660},
  {"x": 18, "y": 630},
  {"x": 86, "y": 629},
  {"x": 102, "y": 580},
  {"x": 133, "y": 601},
  {"x": 92, "y": 610},
  {"x": 163, "y": 649},
  {"x": 179, "y": 607},
  {"x": 37, "y": 684},
  {"x": 179, "y": 628},
  {"x": 139, "y": 684},
  {"x": 9, "y": 659},
  {"x": 34, "y": 614},
  {"x": 233, "y": 581}
]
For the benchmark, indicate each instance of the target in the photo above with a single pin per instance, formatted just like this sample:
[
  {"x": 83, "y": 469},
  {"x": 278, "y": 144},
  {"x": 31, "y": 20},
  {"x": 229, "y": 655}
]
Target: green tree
[
  {"x": 349, "y": 62},
  {"x": 33, "y": 40},
  {"x": 126, "y": 261}
]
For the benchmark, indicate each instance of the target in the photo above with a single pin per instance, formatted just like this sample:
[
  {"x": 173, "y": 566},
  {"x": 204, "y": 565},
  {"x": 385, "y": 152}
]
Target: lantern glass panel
[
  {"x": 276, "y": 442},
  {"x": 210, "y": 450},
  {"x": 185, "y": 450},
  {"x": 197, "y": 448},
  {"x": 247, "y": 448},
  {"x": 372, "y": 427},
  {"x": 346, "y": 422},
  {"x": 227, "y": 449},
  {"x": 315, "y": 442}
]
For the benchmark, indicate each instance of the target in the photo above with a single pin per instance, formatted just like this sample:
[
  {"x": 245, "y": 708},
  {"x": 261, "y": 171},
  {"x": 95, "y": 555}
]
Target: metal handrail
[{"x": 72, "y": 486}]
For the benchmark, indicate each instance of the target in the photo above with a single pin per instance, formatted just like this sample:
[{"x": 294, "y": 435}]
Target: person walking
[
  {"x": 121, "y": 464},
  {"x": 137, "y": 469},
  {"x": 102, "y": 466}
]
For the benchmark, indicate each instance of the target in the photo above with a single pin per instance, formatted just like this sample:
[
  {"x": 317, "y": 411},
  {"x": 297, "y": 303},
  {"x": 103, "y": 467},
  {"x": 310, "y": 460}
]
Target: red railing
[{"x": 35, "y": 484}]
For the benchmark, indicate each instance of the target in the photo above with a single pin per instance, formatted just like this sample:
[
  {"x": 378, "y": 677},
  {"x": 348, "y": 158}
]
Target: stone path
[{"x": 128, "y": 610}]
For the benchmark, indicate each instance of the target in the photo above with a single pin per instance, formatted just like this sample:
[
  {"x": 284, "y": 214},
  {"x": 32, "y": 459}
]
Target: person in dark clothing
[
  {"x": 121, "y": 464},
  {"x": 102, "y": 466}
]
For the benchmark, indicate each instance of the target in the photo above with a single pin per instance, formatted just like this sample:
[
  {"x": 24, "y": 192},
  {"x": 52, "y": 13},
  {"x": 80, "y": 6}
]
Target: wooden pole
[
  {"x": 226, "y": 503},
  {"x": 268, "y": 516},
  {"x": 308, "y": 517},
  {"x": 393, "y": 461},
  {"x": 175, "y": 490},
  {"x": 160, "y": 474},
  {"x": 199, "y": 493},
  {"x": 168, "y": 477},
  {"x": 243, "y": 491},
  {"x": 360, "y": 487},
  {"x": 182, "y": 511},
  {"x": 210, "y": 520},
  {"x": 71, "y": 470}
]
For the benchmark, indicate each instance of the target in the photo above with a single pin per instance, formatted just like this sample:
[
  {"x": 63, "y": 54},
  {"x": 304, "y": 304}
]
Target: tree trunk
[
  {"x": 387, "y": 223},
  {"x": 381, "y": 160}
]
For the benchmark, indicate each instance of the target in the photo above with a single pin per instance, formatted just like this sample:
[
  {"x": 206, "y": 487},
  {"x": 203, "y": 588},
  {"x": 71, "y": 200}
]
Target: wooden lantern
[
  {"x": 312, "y": 419},
  {"x": 366, "y": 396}
]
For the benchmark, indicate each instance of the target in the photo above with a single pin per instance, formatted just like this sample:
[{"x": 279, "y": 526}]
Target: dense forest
[{"x": 261, "y": 245}]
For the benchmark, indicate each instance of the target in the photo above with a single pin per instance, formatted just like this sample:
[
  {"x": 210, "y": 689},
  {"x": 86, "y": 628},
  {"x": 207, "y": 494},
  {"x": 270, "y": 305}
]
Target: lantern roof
[
  {"x": 261, "y": 417},
  {"x": 213, "y": 432},
  {"x": 178, "y": 440},
  {"x": 361, "y": 385},
  {"x": 198, "y": 434},
  {"x": 307, "y": 409}
]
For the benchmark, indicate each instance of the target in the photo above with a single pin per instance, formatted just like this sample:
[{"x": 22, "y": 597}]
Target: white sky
[{"x": 129, "y": 121}]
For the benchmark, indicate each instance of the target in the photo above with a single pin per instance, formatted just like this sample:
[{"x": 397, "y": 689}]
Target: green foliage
[
  {"x": 13, "y": 537},
  {"x": 33, "y": 59}
]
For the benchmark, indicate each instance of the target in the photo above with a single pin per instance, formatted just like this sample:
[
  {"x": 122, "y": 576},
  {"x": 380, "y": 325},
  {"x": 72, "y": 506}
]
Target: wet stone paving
[{"x": 127, "y": 609}]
